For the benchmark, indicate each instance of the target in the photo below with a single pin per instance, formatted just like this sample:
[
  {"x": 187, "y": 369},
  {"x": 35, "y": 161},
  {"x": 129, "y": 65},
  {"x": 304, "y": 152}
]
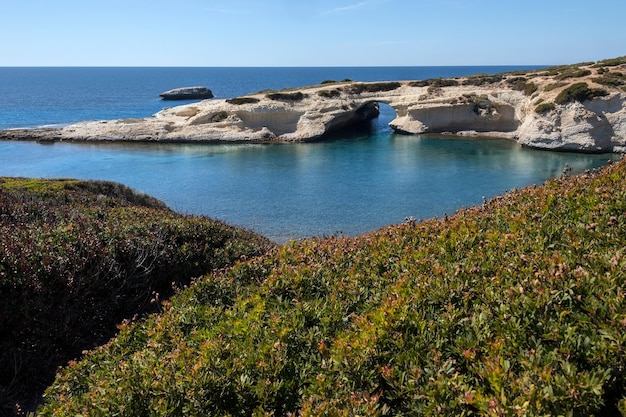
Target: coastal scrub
[
  {"x": 79, "y": 257},
  {"x": 514, "y": 307}
]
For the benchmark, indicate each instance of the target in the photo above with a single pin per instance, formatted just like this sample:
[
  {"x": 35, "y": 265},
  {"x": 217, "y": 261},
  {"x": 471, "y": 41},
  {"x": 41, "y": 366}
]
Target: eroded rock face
[
  {"x": 597, "y": 125},
  {"x": 506, "y": 105}
]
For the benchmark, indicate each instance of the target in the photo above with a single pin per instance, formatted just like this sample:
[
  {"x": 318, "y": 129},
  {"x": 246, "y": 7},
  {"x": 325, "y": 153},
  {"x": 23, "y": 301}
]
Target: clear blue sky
[{"x": 309, "y": 32}]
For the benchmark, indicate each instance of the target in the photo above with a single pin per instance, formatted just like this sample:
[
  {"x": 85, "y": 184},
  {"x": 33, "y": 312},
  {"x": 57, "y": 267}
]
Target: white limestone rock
[{"x": 460, "y": 106}]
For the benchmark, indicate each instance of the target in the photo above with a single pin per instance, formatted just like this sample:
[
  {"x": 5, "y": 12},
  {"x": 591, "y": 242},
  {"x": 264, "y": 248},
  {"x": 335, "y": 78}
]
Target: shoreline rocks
[{"x": 580, "y": 108}]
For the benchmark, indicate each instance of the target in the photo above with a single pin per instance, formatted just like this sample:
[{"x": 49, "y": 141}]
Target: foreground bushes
[
  {"x": 516, "y": 307},
  {"x": 76, "y": 258}
]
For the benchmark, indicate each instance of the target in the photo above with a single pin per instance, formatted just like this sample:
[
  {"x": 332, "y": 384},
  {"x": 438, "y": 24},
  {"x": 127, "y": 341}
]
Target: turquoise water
[
  {"x": 355, "y": 183},
  {"x": 346, "y": 186}
]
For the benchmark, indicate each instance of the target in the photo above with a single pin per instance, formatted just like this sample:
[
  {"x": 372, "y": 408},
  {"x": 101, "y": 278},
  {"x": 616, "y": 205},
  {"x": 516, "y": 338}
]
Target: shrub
[
  {"x": 473, "y": 98},
  {"x": 578, "y": 92},
  {"x": 372, "y": 87},
  {"x": 515, "y": 307},
  {"x": 76, "y": 258},
  {"x": 613, "y": 62},
  {"x": 573, "y": 73},
  {"x": 554, "y": 86},
  {"x": 521, "y": 84},
  {"x": 434, "y": 82},
  {"x": 284, "y": 96},
  {"x": 545, "y": 107},
  {"x": 482, "y": 79},
  {"x": 329, "y": 93},
  {"x": 609, "y": 81},
  {"x": 243, "y": 100}
]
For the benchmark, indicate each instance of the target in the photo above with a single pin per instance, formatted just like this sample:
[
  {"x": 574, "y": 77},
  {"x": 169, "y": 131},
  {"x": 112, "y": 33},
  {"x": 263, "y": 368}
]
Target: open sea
[{"x": 349, "y": 185}]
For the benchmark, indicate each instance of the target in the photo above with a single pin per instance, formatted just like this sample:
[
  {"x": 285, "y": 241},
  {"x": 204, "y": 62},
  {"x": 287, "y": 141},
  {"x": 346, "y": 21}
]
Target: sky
[{"x": 255, "y": 33}]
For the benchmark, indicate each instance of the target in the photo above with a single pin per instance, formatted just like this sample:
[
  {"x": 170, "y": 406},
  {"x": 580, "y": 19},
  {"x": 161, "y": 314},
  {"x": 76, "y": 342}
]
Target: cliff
[{"x": 576, "y": 107}]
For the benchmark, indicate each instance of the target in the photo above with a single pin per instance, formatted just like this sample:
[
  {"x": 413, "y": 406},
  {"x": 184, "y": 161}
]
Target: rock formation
[
  {"x": 187, "y": 93},
  {"x": 575, "y": 108}
]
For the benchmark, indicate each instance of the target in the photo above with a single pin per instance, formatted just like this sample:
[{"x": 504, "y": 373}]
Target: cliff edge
[{"x": 577, "y": 107}]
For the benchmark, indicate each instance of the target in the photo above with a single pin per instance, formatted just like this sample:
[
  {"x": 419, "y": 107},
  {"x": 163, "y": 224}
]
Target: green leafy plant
[
  {"x": 359, "y": 88},
  {"x": 610, "y": 81},
  {"x": 435, "y": 82},
  {"x": 545, "y": 107},
  {"x": 554, "y": 86},
  {"x": 573, "y": 72},
  {"x": 285, "y": 96},
  {"x": 522, "y": 84},
  {"x": 613, "y": 62},
  {"x": 336, "y": 92},
  {"x": 578, "y": 92},
  {"x": 514, "y": 307},
  {"x": 483, "y": 79},
  {"x": 77, "y": 258}
]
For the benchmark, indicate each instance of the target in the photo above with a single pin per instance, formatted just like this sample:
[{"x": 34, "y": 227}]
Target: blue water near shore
[{"x": 349, "y": 185}]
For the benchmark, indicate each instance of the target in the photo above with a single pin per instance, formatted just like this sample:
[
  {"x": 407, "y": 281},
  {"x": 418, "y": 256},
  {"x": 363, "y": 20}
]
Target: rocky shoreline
[{"x": 569, "y": 108}]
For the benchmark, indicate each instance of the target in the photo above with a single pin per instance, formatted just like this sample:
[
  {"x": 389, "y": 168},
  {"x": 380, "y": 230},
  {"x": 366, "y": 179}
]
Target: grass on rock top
[{"x": 515, "y": 307}]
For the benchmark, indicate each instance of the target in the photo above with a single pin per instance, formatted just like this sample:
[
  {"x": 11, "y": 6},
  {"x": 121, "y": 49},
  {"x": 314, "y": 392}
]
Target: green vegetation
[
  {"x": 284, "y": 96},
  {"x": 516, "y": 307},
  {"x": 572, "y": 72},
  {"x": 545, "y": 107},
  {"x": 482, "y": 79},
  {"x": 359, "y": 88},
  {"x": 329, "y": 93},
  {"x": 610, "y": 79},
  {"x": 554, "y": 86},
  {"x": 243, "y": 100},
  {"x": 578, "y": 92},
  {"x": 435, "y": 82},
  {"x": 613, "y": 62},
  {"x": 77, "y": 258},
  {"x": 482, "y": 106},
  {"x": 522, "y": 84}
]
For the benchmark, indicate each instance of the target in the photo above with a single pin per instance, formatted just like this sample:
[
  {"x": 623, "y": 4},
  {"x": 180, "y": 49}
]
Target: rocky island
[
  {"x": 187, "y": 93},
  {"x": 577, "y": 107}
]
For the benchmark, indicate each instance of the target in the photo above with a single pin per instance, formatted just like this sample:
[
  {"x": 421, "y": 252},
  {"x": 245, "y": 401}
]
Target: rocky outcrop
[
  {"x": 597, "y": 125},
  {"x": 574, "y": 108},
  {"x": 187, "y": 93}
]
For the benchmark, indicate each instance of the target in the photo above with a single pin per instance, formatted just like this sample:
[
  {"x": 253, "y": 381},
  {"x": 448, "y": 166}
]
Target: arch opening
[{"x": 371, "y": 118}]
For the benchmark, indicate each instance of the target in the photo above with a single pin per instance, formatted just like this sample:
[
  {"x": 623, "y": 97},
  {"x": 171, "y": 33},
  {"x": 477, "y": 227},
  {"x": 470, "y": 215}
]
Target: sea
[{"x": 353, "y": 183}]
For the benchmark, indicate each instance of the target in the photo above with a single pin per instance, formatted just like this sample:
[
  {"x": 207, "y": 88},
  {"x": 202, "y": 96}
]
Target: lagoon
[
  {"x": 354, "y": 183},
  {"x": 349, "y": 185}
]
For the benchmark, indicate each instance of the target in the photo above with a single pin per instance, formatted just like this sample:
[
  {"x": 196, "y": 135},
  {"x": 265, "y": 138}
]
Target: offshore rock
[
  {"x": 573, "y": 108},
  {"x": 187, "y": 93}
]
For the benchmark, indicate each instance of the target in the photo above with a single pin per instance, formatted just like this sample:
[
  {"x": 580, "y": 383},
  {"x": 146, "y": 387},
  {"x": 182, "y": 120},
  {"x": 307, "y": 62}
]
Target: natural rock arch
[{"x": 503, "y": 106}]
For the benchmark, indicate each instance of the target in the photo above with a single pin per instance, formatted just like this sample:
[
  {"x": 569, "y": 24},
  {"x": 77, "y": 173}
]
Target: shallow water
[{"x": 349, "y": 185}]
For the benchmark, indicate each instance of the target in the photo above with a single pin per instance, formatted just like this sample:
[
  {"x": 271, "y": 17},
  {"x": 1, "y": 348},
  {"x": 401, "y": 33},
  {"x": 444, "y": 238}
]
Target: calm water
[{"x": 349, "y": 185}]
